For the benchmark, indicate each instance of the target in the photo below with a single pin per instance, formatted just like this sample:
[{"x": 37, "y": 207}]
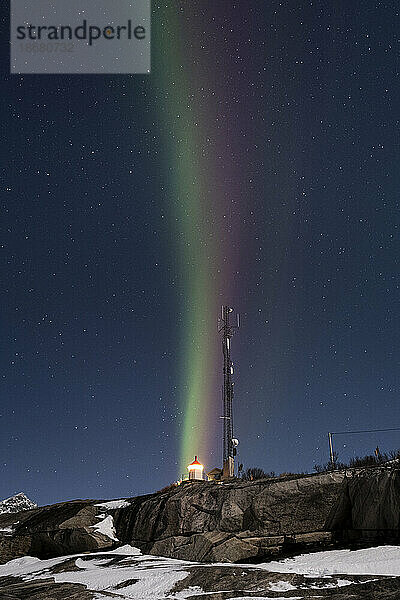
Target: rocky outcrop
[
  {"x": 53, "y": 530},
  {"x": 212, "y": 522},
  {"x": 368, "y": 506},
  {"x": 233, "y": 521}
]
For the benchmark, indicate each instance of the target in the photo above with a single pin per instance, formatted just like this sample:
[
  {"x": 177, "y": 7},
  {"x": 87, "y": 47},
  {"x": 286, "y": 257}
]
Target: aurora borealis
[
  {"x": 256, "y": 166},
  {"x": 194, "y": 210}
]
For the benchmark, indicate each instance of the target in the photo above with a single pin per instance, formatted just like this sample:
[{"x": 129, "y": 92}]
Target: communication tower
[{"x": 229, "y": 442}]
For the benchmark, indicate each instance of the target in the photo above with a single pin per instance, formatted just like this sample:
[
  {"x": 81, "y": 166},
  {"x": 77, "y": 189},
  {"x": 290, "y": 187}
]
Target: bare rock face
[
  {"x": 234, "y": 521},
  {"x": 368, "y": 507},
  {"x": 211, "y": 522}
]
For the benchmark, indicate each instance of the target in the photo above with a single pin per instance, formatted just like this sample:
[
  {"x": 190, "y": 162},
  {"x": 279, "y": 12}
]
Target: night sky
[{"x": 257, "y": 166}]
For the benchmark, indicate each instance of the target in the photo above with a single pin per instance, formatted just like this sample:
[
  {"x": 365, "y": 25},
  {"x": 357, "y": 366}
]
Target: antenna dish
[{"x": 235, "y": 442}]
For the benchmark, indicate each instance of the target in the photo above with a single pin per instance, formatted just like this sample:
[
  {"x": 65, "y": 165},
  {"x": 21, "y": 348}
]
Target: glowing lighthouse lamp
[{"x": 195, "y": 470}]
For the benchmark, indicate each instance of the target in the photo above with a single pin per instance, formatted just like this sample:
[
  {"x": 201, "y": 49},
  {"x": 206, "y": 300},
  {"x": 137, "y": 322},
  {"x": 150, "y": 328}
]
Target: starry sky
[{"x": 256, "y": 166}]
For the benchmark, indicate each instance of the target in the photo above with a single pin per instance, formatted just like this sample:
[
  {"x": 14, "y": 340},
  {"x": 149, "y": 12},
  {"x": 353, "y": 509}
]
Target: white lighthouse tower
[{"x": 195, "y": 470}]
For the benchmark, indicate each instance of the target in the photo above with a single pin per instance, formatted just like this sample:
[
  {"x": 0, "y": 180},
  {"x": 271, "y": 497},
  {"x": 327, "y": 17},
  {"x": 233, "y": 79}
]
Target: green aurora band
[{"x": 190, "y": 213}]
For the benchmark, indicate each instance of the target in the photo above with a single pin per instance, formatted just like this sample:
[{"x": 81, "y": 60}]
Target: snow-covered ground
[
  {"x": 384, "y": 560},
  {"x": 127, "y": 574},
  {"x": 152, "y": 577}
]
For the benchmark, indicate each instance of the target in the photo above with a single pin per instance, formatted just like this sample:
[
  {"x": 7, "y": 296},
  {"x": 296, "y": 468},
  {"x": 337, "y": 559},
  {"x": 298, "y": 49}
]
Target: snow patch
[
  {"x": 148, "y": 584},
  {"x": 192, "y": 590},
  {"x": 27, "y": 565},
  {"x": 126, "y": 550},
  {"x": 6, "y": 530},
  {"x": 267, "y": 598},
  {"x": 281, "y": 586},
  {"x": 106, "y": 527},
  {"x": 338, "y": 583},
  {"x": 112, "y": 504},
  {"x": 150, "y": 579},
  {"x": 382, "y": 560}
]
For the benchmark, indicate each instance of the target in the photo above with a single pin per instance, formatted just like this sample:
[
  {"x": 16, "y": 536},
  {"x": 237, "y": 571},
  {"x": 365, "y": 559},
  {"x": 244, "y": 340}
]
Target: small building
[
  {"x": 214, "y": 474},
  {"x": 195, "y": 470}
]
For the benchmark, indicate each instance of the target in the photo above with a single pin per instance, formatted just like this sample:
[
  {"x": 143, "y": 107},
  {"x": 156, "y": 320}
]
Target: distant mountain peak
[{"x": 16, "y": 504}]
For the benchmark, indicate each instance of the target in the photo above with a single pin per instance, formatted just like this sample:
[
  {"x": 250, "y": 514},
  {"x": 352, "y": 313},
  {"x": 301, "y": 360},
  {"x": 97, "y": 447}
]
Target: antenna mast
[{"x": 229, "y": 443}]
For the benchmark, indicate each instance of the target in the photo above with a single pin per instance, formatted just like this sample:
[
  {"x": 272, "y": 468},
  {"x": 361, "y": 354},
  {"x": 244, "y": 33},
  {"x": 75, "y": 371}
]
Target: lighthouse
[{"x": 195, "y": 470}]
